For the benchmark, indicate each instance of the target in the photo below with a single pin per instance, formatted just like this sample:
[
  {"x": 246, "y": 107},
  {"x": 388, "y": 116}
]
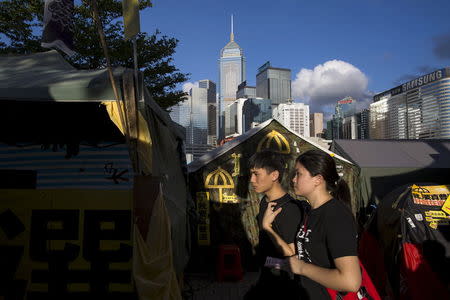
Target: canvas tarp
[
  {"x": 388, "y": 164},
  {"x": 46, "y": 76}
]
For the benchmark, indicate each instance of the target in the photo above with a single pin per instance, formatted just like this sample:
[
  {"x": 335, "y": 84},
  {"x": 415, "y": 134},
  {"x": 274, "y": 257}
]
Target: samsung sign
[
  {"x": 436, "y": 75},
  {"x": 418, "y": 82}
]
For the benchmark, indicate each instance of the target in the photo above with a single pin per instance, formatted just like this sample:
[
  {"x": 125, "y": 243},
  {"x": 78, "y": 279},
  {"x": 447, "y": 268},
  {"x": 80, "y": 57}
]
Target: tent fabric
[
  {"x": 144, "y": 141},
  {"x": 46, "y": 76},
  {"x": 211, "y": 155},
  {"x": 153, "y": 264},
  {"x": 387, "y": 164},
  {"x": 395, "y": 153}
]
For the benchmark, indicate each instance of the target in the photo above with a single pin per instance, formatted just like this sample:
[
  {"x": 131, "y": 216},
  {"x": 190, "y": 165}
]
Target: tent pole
[
  {"x": 95, "y": 16},
  {"x": 138, "y": 96}
]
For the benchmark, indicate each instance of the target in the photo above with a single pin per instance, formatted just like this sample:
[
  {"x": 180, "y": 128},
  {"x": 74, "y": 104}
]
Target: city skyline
[{"x": 370, "y": 46}]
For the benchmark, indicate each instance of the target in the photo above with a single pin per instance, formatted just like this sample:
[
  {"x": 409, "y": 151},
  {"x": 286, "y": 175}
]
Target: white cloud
[
  {"x": 189, "y": 85},
  {"x": 328, "y": 83}
]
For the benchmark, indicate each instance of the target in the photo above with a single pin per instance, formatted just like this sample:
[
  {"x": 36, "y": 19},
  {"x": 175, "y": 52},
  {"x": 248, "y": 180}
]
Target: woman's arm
[
  {"x": 268, "y": 218},
  {"x": 345, "y": 277}
]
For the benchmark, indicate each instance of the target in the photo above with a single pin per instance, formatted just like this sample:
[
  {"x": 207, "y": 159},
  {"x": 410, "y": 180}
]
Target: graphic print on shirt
[{"x": 303, "y": 238}]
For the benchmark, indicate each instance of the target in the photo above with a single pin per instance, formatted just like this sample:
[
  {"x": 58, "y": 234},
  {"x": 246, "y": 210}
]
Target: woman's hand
[
  {"x": 295, "y": 265},
  {"x": 269, "y": 215}
]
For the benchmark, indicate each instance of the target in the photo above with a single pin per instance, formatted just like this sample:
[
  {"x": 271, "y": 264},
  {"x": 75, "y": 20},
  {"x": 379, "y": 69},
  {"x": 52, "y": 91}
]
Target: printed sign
[
  {"x": 430, "y": 195},
  {"x": 446, "y": 206},
  {"x": 60, "y": 244}
]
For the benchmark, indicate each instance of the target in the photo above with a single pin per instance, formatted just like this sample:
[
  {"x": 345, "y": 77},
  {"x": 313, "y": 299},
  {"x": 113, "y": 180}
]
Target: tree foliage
[{"x": 21, "y": 29}]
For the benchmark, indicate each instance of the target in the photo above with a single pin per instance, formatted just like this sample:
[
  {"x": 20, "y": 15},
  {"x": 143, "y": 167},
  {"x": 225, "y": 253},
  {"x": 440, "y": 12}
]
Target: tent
[
  {"x": 406, "y": 246},
  {"x": 93, "y": 188},
  {"x": 219, "y": 182},
  {"x": 388, "y": 164}
]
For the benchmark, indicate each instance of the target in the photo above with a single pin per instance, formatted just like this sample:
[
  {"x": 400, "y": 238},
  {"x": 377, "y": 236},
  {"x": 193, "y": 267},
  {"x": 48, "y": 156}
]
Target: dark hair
[
  {"x": 321, "y": 163},
  {"x": 270, "y": 161}
]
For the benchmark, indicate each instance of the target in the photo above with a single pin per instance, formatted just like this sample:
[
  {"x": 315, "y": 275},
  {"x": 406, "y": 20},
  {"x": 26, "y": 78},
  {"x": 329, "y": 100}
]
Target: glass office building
[
  {"x": 211, "y": 101},
  {"x": 418, "y": 109},
  {"x": 180, "y": 113},
  {"x": 273, "y": 83}
]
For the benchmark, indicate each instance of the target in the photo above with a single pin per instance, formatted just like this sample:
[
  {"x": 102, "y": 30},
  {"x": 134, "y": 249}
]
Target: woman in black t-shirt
[{"x": 326, "y": 243}]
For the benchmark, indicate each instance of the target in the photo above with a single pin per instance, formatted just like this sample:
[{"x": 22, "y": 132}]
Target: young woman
[{"x": 326, "y": 243}]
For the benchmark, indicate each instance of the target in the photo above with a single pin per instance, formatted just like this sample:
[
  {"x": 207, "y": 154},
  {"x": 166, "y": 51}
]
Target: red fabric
[
  {"x": 371, "y": 255},
  {"x": 366, "y": 285},
  {"x": 421, "y": 281}
]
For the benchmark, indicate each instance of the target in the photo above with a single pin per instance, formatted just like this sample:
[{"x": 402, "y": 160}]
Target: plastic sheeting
[
  {"x": 153, "y": 268},
  {"x": 152, "y": 258}
]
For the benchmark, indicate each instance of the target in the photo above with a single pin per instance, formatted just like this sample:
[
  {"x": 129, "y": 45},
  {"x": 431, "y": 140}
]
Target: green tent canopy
[{"x": 388, "y": 164}]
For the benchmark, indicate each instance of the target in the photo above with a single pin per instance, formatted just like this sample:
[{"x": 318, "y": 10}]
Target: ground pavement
[{"x": 203, "y": 286}]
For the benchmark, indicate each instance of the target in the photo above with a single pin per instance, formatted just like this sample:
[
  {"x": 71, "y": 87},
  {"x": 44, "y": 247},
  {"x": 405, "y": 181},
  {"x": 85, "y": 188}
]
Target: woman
[{"x": 326, "y": 242}]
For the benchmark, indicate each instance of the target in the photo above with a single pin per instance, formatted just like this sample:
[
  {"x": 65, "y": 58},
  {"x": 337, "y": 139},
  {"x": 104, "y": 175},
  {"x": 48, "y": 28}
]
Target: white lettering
[{"x": 432, "y": 77}]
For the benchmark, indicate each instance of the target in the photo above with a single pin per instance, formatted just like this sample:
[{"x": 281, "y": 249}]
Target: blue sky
[{"x": 380, "y": 42}]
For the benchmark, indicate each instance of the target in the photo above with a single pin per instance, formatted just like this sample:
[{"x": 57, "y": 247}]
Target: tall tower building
[
  {"x": 273, "y": 83},
  {"x": 231, "y": 74}
]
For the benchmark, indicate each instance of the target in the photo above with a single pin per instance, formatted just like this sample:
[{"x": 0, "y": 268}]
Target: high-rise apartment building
[
  {"x": 316, "y": 125},
  {"x": 231, "y": 74},
  {"x": 294, "y": 116},
  {"x": 418, "y": 109},
  {"x": 364, "y": 124},
  {"x": 273, "y": 83}
]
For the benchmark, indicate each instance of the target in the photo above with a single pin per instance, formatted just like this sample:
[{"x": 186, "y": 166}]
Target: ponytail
[{"x": 341, "y": 191}]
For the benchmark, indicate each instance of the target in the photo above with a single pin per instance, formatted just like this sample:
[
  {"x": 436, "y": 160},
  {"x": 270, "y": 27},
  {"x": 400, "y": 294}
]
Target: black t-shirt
[
  {"x": 277, "y": 283},
  {"x": 330, "y": 233},
  {"x": 286, "y": 225}
]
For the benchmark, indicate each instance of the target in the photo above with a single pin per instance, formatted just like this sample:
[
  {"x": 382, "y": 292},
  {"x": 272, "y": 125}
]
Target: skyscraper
[
  {"x": 211, "y": 103},
  {"x": 180, "y": 113},
  {"x": 231, "y": 74},
  {"x": 194, "y": 113},
  {"x": 273, "y": 83},
  {"x": 294, "y": 116}
]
